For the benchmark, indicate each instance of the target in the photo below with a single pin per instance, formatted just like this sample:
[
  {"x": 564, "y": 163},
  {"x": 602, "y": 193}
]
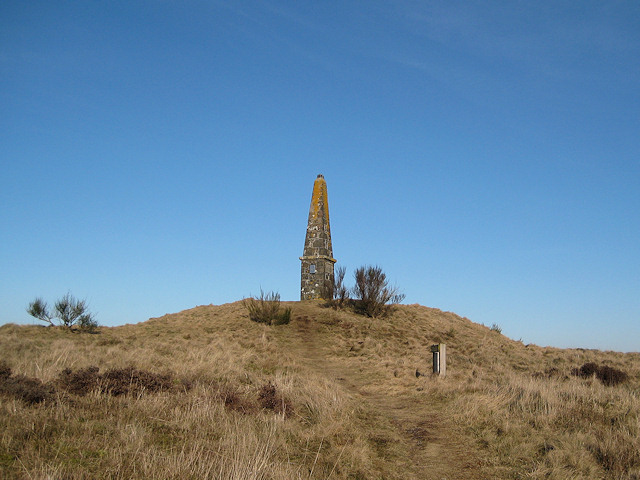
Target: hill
[{"x": 206, "y": 393}]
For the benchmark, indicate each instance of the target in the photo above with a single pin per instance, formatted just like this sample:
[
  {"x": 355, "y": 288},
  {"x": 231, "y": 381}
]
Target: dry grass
[
  {"x": 253, "y": 401},
  {"x": 228, "y": 424}
]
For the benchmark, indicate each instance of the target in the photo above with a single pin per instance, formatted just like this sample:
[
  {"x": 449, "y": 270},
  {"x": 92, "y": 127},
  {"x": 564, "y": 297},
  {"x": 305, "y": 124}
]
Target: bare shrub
[
  {"x": 337, "y": 292},
  {"x": 67, "y": 312},
  {"x": 374, "y": 297},
  {"x": 266, "y": 309}
]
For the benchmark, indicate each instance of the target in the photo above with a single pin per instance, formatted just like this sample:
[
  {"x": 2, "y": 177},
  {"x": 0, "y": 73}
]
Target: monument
[{"x": 316, "y": 275}]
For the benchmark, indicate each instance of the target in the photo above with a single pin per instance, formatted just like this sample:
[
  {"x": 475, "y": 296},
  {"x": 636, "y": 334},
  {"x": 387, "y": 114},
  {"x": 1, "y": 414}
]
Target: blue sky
[{"x": 158, "y": 155}]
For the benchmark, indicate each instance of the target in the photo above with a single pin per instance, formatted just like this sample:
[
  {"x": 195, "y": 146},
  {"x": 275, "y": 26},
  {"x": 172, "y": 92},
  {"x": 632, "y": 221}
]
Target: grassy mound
[{"x": 208, "y": 393}]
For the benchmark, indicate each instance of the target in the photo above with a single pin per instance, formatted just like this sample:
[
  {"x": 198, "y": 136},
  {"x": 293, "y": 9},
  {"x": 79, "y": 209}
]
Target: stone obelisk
[{"x": 317, "y": 260}]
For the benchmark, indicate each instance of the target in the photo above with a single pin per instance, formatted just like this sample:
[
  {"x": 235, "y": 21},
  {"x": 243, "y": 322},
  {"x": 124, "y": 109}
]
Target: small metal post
[
  {"x": 435, "y": 349},
  {"x": 439, "y": 359}
]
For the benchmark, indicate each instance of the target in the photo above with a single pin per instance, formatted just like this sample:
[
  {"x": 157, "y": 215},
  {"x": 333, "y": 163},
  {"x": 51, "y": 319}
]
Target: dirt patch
[{"x": 424, "y": 433}]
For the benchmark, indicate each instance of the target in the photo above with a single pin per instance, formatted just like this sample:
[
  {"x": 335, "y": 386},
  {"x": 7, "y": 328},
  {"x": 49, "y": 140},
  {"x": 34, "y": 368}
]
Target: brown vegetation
[
  {"x": 206, "y": 393},
  {"x": 21, "y": 387},
  {"x": 607, "y": 375},
  {"x": 270, "y": 399}
]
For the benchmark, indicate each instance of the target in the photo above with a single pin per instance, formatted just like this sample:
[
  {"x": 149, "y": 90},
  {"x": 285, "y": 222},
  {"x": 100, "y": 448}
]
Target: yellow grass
[{"x": 357, "y": 408}]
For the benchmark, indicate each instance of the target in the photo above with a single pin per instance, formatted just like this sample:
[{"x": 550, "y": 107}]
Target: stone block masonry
[{"x": 316, "y": 271}]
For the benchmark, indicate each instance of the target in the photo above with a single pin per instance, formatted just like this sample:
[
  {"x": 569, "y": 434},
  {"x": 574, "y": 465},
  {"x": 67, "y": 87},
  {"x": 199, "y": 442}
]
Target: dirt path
[{"x": 433, "y": 451}]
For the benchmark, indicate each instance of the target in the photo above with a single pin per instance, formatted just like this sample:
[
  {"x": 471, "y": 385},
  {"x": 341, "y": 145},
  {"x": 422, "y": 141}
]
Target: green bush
[{"x": 266, "y": 309}]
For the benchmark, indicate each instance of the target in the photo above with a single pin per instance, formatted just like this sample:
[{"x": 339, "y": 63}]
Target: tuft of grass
[
  {"x": 266, "y": 309},
  {"x": 496, "y": 328}
]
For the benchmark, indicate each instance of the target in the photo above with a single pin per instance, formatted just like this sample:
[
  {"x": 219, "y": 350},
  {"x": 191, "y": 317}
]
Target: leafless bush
[
  {"x": 67, "y": 312},
  {"x": 374, "y": 296},
  {"x": 337, "y": 293}
]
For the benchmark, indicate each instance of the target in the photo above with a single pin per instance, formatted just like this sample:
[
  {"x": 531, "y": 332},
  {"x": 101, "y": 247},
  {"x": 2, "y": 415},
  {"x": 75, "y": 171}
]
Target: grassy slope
[{"x": 354, "y": 406}]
